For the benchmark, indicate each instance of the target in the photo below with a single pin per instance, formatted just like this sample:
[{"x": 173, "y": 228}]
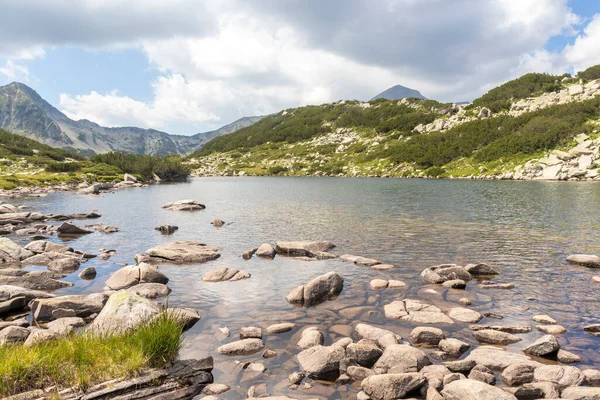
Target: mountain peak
[{"x": 398, "y": 92}]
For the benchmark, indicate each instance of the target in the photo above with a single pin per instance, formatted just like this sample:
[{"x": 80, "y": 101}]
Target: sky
[{"x": 189, "y": 66}]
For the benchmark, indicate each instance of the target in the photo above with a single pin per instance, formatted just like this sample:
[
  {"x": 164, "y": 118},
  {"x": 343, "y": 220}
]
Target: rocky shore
[{"x": 429, "y": 362}]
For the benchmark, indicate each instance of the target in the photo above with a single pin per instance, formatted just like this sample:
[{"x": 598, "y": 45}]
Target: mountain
[
  {"x": 24, "y": 112},
  {"x": 399, "y": 92}
]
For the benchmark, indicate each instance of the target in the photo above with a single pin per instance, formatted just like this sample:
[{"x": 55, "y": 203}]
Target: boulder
[
  {"x": 392, "y": 386},
  {"x": 166, "y": 229},
  {"x": 12, "y": 252},
  {"x": 403, "y": 358},
  {"x": 544, "y": 319},
  {"x": 365, "y": 353},
  {"x": 34, "y": 280},
  {"x": 22, "y": 322},
  {"x": 132, "y": 275},
  {"x": 249, "y": 253},
  {"x": 123, "y": 311},
  {"x": 498, "y": 359},
  {"x": 495, "y": 337},
  {"x": 562, "y": 376},
  {"x": 544, "y": 346},
  {"x": 15, "y": 303},
  {"x": 517, "y": 374},
  {"x": 481, "y": 269},
  {"x": 469, "y": 389},
  {"x": 441, "y": 273},
  {"x": 321, "y": 362},
  {"x": 357, "y": 374},
  {"x": 591, "y": 261},
  {"x": 427, "y": 336},
  {"x": 8, "y": 292},
  {"x": 366, "y": 262},
  {"x": 417, "y": 312},
  {"x": 184, "y": 205},
  {"x": 38, "y": 335},
  {"x": 310, "y": 337},
  {"x": 64, "y": 326},
  {"x": 502, "y": 328},
  {"x": 265, "y": 250},
  {"x": 566, "y": 357},
  {"x": 551, "y": 329},
  {"x": 303, "y": 248},
  {"x": 183, "y": 251},
  {"x": 67, "y": 228},
  {"x": 280, "y": 328},
  {"x": 593, "y": 330},
  {"x": 318, "y": 290},
  {"x": 150, "y": 290},
  {"x": 88, "y": 273},
  {"x": 483, "y": 374},
  {"x": 382, "y": 337},
  {"x": 455, "y": 284},
  {"x": 81, "y": 305},
  {"x": 67, "y": 265},
  {"x": 242, "y": 347},
  {"x": 464, "y": 315},
  {"x": 377, "y": 284},
  {"x": 225, "y": 274},
  {"x": 187, "y": 317},
  {"x": 13, "y": 334},
  {"x": 453, "y": 347},
  {"x": 129, "y": 178},
  {"x": 46, "y": 258}
]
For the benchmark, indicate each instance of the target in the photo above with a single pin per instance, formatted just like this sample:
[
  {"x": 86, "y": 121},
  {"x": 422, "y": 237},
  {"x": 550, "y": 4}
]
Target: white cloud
[
  {"x": 585, "y": 51},
  {"x": 14, "y": 72}
]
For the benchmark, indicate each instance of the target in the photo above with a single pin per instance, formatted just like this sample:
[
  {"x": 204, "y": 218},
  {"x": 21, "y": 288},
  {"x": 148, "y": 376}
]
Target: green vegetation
[
  {"x": 590, "y": 74},
  {"x": 15, "y": 146},
  {"x": 169, "y": 168},
  {"x": 82, "y": 360}
]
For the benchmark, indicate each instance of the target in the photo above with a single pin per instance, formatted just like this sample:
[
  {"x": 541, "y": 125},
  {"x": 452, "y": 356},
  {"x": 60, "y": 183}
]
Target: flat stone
[
  {"x": 303, "y": 248},
  {"x": 517, "y": 374},
  {"x": 506, "y": 286},
  {"x": 395, "y": 284},
  {"x": 150, "y": 290},
  {"x": 453, "y": 346},
  {"x": 88, "y": 273},
  {"x": 502, "y": 328},
  {"x": 310, "y": 337},
  {"x": 184, "y": 205},
  {"x": 593, "y": 330},
  {"x": 402, "y": 358},
  {"x": 377, "y": 284},
  {"x": 581, "y": 393},
  {"x": 544, "y": 319},
  {"x": 280, "y": 328},
  {"x": 469, "y": 389},
  {"x": 445, "y": 272},
  {"x": 495, "y": 337},
  {"x": 81, "y": 306},
  {"x": 365, "y": 353},
  {"x": 183, "y": 251},
  {"x": 551, "y": 329},
  {"x": 13, "y": 334},
  {"x": 497, "y": 359},
  {"x": 464, "y": 315},
  {"x": 225, "y": 274},
  {"x": 481, "y": 269},
  {"x": 562, "y": 376},
  {"x": 242, "y": 347},
  {"x": 249, "y": 332},
  {"x": 392, "y": 386},
  {"x": 586, "y": 260},
  {"x": 417, "y": 312}
]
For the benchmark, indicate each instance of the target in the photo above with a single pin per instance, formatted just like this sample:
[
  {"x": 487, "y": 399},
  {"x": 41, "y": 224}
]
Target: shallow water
[{"x": 526, "y": 229}]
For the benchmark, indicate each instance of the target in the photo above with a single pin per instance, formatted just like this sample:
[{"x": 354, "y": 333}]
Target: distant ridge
[{"x": 399, "y": 92}]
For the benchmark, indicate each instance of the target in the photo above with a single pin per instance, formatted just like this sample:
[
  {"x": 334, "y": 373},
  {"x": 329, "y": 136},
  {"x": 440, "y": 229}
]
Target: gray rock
[
  {"x": 186, "y": 316},
  {"x": 469, "y": 389},
  {"x": 123, "y": 311},
  {"x": 392, "y": 386},
  {"x": 248, "y": 254},
  {"x": 497, "y": 359},
  {"x": 249, "y": 332},
  {"x": 562, "y": 376},
  {"x": 402, "y": 358},
  {"x": 150, "y": 290},
  {"x": 593, "y": 330},
  {"x": 67, "y": 265},
  {"x": 167, "y": 229},
  {"x": 310, "y": 337},
  {"x": 587, "y": 260},
  {"x": 225, "y": 274},
  {"x": 455, "y": 284},
  {"x": 417, "y": 312},
  {"x": 303, "y": 248},
  {"x": 454, "y": 347},
  {"x": 242, "y": 347},
  {"x": 13, "y": 334},
  {"x": 502, "y": 328},
  {"x": 67, "y": 228},
  {"x": 481, "y": 269},
  {"x": 551, "y": 329},
  {"x": 364, "y": 353},
  {"x": 180, "y": 252},
  {"x": 581, "y": 393},
  {"x": 549, "y": 389},
  {"x": 544, "y": 319},
  {"x": 8, "y": 292},
  {"x": 460, "y": 365},
  {"x": 321, "y": 362},
  {"x": 543, "y": 346},
  {"x": 81, "y": 305},
  {"x": 280, "y": 328},
  {"x": 483, "y": 374},
  {"x": 464, "y": 315},
  {"x": 265, "y": 250},
  {"x": 217, "y": 223},
  {"x": 12, "y": 252},
  {"x": 88, "y": 273},
  {"x": 382, "y": 337},
  {"x": 366, "y": 262},
  {"x": 445, "y": 272},
  {"x": 495, "y": 337},
  {"x": 132, "y": 275},
  {"x": 22, "y": 322},
  {"x": 592, "y": 376},
  {"x": 184, "y": 205},
  {"x": 318, "y": 290},
  {"x": 64, "y": 326},
  {"x": 426, "y": 335},
  {"x": 566, "y": 357},
  {"x": 517, "y": 374},
  {"x": 39, "y": 336}
]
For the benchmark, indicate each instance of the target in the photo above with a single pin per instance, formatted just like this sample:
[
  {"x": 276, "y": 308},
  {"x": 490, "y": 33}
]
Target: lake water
[{"x": 526, "y": 229}]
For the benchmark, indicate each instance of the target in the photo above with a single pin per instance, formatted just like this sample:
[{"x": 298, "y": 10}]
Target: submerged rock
[
  {"x": 280, "y": 328},
  {"x": 481, "y": 269},
  {"x": 167, "y": 229},
  {"x": 88, "y": 273},
  {"x": 225, "y": 274},
  {"x": 183, "y": 251},
  {"x": 445, "y": 272},
  {"x": 318, "y": 290}
]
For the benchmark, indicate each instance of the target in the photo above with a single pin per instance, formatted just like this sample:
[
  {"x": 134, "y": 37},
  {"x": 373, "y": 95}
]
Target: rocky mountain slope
[
  {"x": 24, "y": 112},
  {"x": 398, "y": 92},
  {"x": 536, "y": 127}
]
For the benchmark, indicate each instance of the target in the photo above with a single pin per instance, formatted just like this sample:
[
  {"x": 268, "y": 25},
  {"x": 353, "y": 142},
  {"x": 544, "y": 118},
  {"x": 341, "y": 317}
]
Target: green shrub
[
  {"x": 63, "y": 166},
  {"x": 169, "y": 168},
  {"x": 590, "y": 74},
  {"x": 276, "y": 170}
]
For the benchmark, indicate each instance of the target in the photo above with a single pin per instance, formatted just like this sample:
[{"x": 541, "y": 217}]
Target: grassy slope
[{"x": 84, "y": 360}]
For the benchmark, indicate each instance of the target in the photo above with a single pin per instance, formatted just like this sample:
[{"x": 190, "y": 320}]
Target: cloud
[
  {"x": 14, "y": 72},
  {"x": 585, "y": 51}
]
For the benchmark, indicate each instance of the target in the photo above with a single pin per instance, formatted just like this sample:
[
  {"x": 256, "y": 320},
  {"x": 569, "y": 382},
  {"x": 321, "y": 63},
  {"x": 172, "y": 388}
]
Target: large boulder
[
  {"x": 80, "y": 305},
  {"x": 403, "y": 358},
  {"x": 318, "y": 290},
  {"x": 225, "y": 274},
  {"x": 321, "y": 362},
  {"x": 416, "y": 311},
  {"x": 132, "y": 275},
  {"x": 183, "y": 251},
  {"x": 123, "y": 311},
  {"x": 12, "y": 252},
  {"x": 469, "y": 389},
  {"x": 392, "y": 386},
  {"x": 587, "y": 260},
  {"x": 303, "y": 248},
  {"x": 445, "y": 272},
  {"x": 184, "y": 205}
]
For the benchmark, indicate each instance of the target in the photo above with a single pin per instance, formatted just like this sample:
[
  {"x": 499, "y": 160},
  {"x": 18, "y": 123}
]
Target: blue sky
[{"x": 186, "y": 67}]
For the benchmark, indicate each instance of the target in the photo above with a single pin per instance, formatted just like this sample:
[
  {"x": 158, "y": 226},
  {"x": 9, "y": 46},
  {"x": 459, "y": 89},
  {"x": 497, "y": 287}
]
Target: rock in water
[
  {"x": 183, "y": 251},
  {"x": 303, "y": 248},
  {"x": 481, "y": 269},
  {"x": 318, "y": 290},
  {"x": 80, "y": 306},
  {"x": 468, "y": 389},
  {"x": 392, "y": 386},
  {"x": 68, "y": 228},
  {"x": 225, "y": 274},
  {"x": 543, "y": 346},
  {"x": 587, "y": 260},
  {"x": 184, "y": 205},
  {"x": 446, "y": 272},
  {"x": 242, "y": 347},
  {"x": 124, "y": 310},
  {"x": 321, "y": 362},
  {"x": 166, "y": 229},
  {"x": 265, "y": 250},
  {"x": 403, "y": 358},
  {"x": 217, "y": 223},
  {"x": 132, "y": 275}
]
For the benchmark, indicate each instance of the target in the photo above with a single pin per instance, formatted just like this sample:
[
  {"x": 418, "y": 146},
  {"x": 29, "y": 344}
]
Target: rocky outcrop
[
  {"x": 318, "y": 290},
  {"x": 225, "y": 274},
  {"x": 184, "y": 205},
  {"x": 180, "y": 252}
]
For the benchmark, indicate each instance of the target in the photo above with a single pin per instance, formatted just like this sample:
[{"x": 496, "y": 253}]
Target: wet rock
[
  {"x": 13, "y": 334},
  {"x": 269, "y": 354},
  {"x": 383, "y": 267},
  {"x": 35, "y": 280},
  {"x": 377, "y": 284},
  {"x": 67, "y": 228},
  {"x": 446, "y": 272},
  {"x": 464, "y": 301},
  {"x": 318, "y": 290},
  {"x": 497, "y": 359},
  {"x": 321, "y": 362},
  {"x": 105, "y": 228},
  {"x": 225, "y": 331},
  {"x": 481, "y": 269},
  {"x": 185, "y": 316},
  {"x": 483, "y": 374},
  {"x": 183, "y": 251},
  {"x": 455, "y": 284},
  {"x": 592, "y": 376},
  {"x": 464, "y": 315},
  {"x": 303, "y": 248},
  {"x": 66, "y": 265},
  {"x": 310, "y": 337},
  {"x": 395, "y": 284},
  {"x": 296, "y": 378},
  {"x": 392, "y": 386},
  {"x": 242, "y": 347},
  {"x": 551, "y": 329},
  {"x": 587, "y": 260},
  {"x": 280, "y": 328},
  {"x": 495, "y": 337},
  {"x": 502, "y": 328},
  {"x": 581, "y": 393},
  {"x": 215, "y": 388},
  {"x": 248, "y": 254},
  {"x": 132, "y": 275},
  {"x": 225, "y": 274},
  {"x": 217, "y": 222},
  {"x": 417, "y": 312},
  {"x": 454, "y": 347},
  {"x": 562, "y": 376},
  {"x": 265, "y": 250},
  {"x": 249, "y": 332},
  {"x": 365, "y": 353},
  {"x": 366, "y": 262},
  {"x": 506, "y": 286},
  {"x": 593, "y": 330},
  {"x": 167, "y": 229},
  {"x": 544, "y": 346},
  {"x": 88, "y": 273},
  {"x": 184, "y": 205},
  {"x": 427, "y": 336},
  {"x": 402, "y": 358},
  {"x": 64, "y": 326},
  {"x": 150, "y": 290},
  {"x": 124, "y": 310},
  {"x": 517, "y": 374},
  {"x": 544, "y": 319},
  {"x": 567, "y": 357},
  {"x": 469, "y": 389}
]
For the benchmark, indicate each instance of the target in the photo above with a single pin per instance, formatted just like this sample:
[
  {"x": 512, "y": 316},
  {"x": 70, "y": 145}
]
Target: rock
[
  {"x": 495, "y": 337},
  {"x": 215, "y": 388},
  {"x": 544, "y": 319},
  {"x": 502, "y": 328},
  {"x": 13, "y": 334},
  {"x": 593, "y": 330},
  {"x": 455, "y": 284},
  {"x": 481, "y": 269},
  {"x": 321, "y": 362},
  {"x": 459, "y": 365},
  {"x": 464, "y": 301},
  {"x": 377, "y": 284},
  {"x": 483, "y": 374},
  {"x": 64, "y": 326},
  {"x": 358, "y": 374},
  {"x": 183, "y": 251},
  {"x": 22, "y": 322},
  {"x": 395, "y": 284},
  {"x": 67, "y": 228},
  {"x": 446, "y": 272},
  {"x": 591, "y": 261},
  {"x": 40, "y": 336},
  {"x": 562, "y": 376},
  {"x": 129, "y": 178},
  {"x": 132, "y": 275},
  {"x": 567, "y": 357},
  {"x": 517, "y": 374},
  {"x": 303, "y": 248},
  {"x": 184, "y": 205},
  {"x": 551, "y": 329},
  {"x": 280, "y": 328},
  {"x": 249, "y": 332},
  {"x": 392, "y": 386},
  {"x": 88, "y": 273},
  {"x": 417, "y": 312},
  {"x": 426, "y": 335},
  {"x": 592, "y": 377},
  {"x": 497, "y": 359},
  {"x": 46, "y": 258},
  {"x": 310, "y": 337},
  {"x": 150, "y": 290},
  {"x": 543, "y": 346},
  {"x": 549, "y": 389},
  {"x": 366, "y": 262},
  {"x": 382, "y": 337},
  {"x": 464, "y": 315},
  {"x": 484, "y": 113},
  {"x": 265, "y": 250},
  {"x": 12, "y": 252},
  {"x": 225, "y": 331},
  {"x": 248, "y": 254},
  {"x": 506, "y": 286},
  {"x": 468, "y": 389},
  {"x": 225, "y": 274},
  {"x": 82, "y": 305},
  {"x": 453, "y": 347},
  {"x": 581, "y": 393},
  {"x": 217, "y": 223},
  {"x": 124, "y": 310},
  {"x": 596, "y": 279},
  {"x": 318, "y": 290},
  {"x": 187, "y": 317},
  {"x": 66, "y": 265},
  {"x": 296, "y": 378},
  {"x": 167, "y": 229},
  {"x": 364, "y": 353},
  {"x": 269, "y": 354},
  {"x": 242, "y": 347},
  {"x": 402, "y": 358},
  {"x": 14, "y": 303}
]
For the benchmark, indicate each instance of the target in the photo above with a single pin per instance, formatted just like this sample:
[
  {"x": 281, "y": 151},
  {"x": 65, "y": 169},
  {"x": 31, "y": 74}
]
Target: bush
[
  {"x": 170, "y": 168},
  {"x": 590, "y": 74},
  {"x": 63, "y": 166},
  {"x": 276, "y": 170}
]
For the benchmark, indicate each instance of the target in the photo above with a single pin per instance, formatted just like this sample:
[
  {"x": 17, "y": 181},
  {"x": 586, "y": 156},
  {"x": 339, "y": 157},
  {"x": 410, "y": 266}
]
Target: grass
[{"x": 82, "y": 360}]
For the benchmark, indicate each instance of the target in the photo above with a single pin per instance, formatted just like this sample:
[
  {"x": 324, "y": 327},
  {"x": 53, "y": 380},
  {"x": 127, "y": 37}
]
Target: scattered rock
[
  {"x": 502, "y": 328},
  {"x": 265, "y": 250},
  {"x": 483, "y": 374},
  {"x": 495, "y": 337},
  {"x": 402, "y": 358},
  {"x": 506, "y": 286},
  {"x": 567, "y": 357},
  {"x": 377, "y": 284},
  {"x": 132, "y": 275},
  {"x": 464, "y": 315},
  {"x": 581, "y": 393},
  {"x": 150, "y": 290},
  {"x": 225, "y": 274},
  {"x": 593, "y": 330},
  {"x": 167, "y": 229},
  {"x": 183, "y": 251},
  {"x": 365, "y": 353},
  {"x": 217, "y": 223},
  {"x": 417, "y": 312},
  {"x": 587, "y": 260},
  {"x": 13, "y": 334},
  {"x": 242, "y": 347},
  {"x": 64, "y": 326},
  {"x": 248, "y": 254},
  {"x": 303, "y": 248},
  {"x": 469, "y": 389},
  {"x": 249, "y": 332},
  {"x": 441, "y": 273},
  {"x": 318, "y": 290},
  {"x": 543, "y": 346},
  {"x": 551, "y": 329},
  {"x": 280, "y": 328},
  {"x": 455, "y": 284},
  {"x": 184, "y": 205},
  {"x": 454, "y": 347},
  {"x": 562, "y": 376},
  {"x": 310, "y": 337},
  {"x": 321, "y": 362},
  {"x": 88, "y": 273},
  {"x": 517, "y": 374},
  {"x": 427, "y": 336},
  {"x": 67, "y": 265},
  {"x": 497, "y": 359},
  {"x": 544, "y": 319},
  {"x": 67, "y": 228},
  {"x": 35, "y": 280},
  {"x": 481, "y": 269}
]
